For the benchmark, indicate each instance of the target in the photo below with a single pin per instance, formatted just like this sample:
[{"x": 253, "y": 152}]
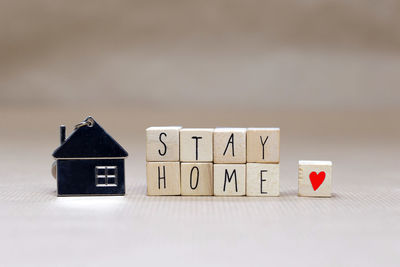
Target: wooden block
[
  {"x": 196, "y": 145},
  {"x": 315, "y": 178},
  {"x": 230, "y": 145},
  {"x": 197, "y": 179},
  {"x": 229, "y": 179},
  {"x": 262, "y": 179},
  {"x": 163, "y": 178},
  {"x": 162, "y": 144},
  {"x": 263, "y": 145}
]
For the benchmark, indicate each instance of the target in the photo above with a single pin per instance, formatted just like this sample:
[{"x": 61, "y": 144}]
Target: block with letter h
[
  {"x": 220, "y": 162},
  {"x": 163, "y": 161}
]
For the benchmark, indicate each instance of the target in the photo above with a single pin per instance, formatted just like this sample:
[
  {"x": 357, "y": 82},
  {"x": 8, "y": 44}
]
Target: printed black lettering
[
  {"x": 165, "y": 146},
  {"x": 233, "y": 146},
  {"x": 263, "y": 148},
  {"x": 262, "y": 180},
  {"x": 161, "y": 177},
  {"x": 197, "y": 178},
  {"x": 197, "y": 145},
  {"x": 229, "y": 178}
]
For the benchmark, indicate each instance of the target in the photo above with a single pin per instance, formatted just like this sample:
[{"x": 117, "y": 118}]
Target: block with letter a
[{"x": 230, "y": 145}]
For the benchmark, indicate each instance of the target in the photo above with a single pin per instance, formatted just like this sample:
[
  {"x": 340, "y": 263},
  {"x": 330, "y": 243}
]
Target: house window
[{"x": 106, "y": 176}]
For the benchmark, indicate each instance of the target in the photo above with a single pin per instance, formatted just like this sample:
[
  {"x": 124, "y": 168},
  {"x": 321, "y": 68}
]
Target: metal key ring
[{"x": 88, "y": 122}]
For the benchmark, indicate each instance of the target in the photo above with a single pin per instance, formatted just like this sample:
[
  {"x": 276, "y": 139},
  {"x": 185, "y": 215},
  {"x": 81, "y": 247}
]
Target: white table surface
[{"x": 358, "y": 226}]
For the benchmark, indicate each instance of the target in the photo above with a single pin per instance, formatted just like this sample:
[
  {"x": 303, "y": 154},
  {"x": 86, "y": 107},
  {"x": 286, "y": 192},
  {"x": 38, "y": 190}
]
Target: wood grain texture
[
  {"x": 162, "y": 143},
  {"x": 196, "y": 145},
  {"x": 197, "y": 179},
  {"x": 263, "y": 145},
  {"x": 163, "y": 178},
  {"x": 320, "y": 188},
  {"x": 229, "y": 179},
  {"x": 262, "y": 179},
  {"x": 230, "y": 145}
]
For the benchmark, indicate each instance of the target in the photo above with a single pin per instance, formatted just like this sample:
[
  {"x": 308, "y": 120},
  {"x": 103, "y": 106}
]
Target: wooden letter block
[
  {"x": 315, "y": 178},
  {"x": 197, "y": 179},
  {"x": 162, "y": 143},
  {"x": 263, "y": 145},
  {"x": 229, "y": 179},
  {"x": 196, "y": 145},
  {"x": 163, "y": 178},
  {"x": 230, "y": 145},
  {"x": 262, "y": 180}
]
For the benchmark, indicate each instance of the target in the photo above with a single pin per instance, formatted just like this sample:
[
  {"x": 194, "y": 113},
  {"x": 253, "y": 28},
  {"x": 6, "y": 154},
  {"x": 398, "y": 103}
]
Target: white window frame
[{"x": 106, "y": 176}]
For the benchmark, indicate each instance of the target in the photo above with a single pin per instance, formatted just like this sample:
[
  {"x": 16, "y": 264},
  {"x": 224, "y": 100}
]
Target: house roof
[{"x": 90, "y": 142}]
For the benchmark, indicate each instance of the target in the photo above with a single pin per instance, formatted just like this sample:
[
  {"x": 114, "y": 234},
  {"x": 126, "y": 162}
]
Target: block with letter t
[{"x": 196, "y": 145}]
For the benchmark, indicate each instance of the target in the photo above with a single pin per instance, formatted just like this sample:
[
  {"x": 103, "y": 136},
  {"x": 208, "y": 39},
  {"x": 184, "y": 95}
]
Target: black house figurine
[{"x": 89, "y": 162}]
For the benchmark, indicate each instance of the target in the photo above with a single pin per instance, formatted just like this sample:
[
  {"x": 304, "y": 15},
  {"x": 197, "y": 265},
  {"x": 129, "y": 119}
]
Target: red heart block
[{"x": 317, "y": 179}]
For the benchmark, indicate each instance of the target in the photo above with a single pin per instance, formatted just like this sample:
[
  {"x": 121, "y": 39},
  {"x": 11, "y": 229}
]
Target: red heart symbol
[{"x": 317, "y": 179}]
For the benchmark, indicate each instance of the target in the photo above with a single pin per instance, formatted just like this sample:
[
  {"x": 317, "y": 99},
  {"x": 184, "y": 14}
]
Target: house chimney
[{"x": 62, "y": 134}]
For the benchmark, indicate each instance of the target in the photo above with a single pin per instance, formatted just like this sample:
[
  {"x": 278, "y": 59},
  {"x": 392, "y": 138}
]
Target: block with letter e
[
  {"x": 262, "y": 179},
  {"x": 263, "y": 159}
]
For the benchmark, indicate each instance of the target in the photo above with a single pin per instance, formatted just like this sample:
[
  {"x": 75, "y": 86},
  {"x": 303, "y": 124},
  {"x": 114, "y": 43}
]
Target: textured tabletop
[{"x": 359, "y": 225}]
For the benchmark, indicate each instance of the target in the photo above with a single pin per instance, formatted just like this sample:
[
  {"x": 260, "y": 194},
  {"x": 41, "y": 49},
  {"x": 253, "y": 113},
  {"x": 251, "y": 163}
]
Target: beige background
[{"x": 326, "y": 72}]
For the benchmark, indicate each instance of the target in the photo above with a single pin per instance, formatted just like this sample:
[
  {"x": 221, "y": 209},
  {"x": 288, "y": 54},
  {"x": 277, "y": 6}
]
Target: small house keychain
[{"x": 89, "y": 162}]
